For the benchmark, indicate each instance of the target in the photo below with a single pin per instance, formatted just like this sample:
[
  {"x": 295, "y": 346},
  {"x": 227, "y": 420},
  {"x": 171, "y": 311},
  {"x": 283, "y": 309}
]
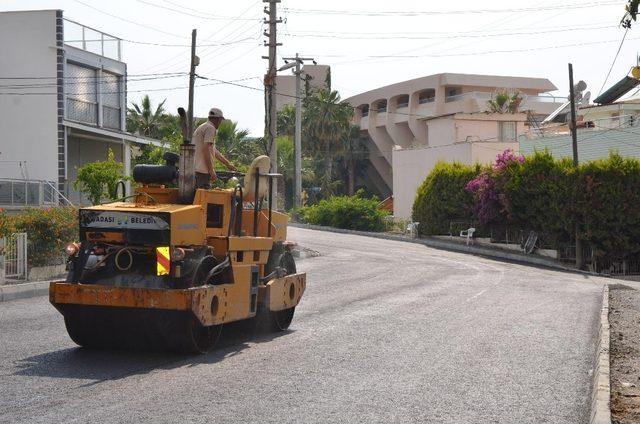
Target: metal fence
[
  {"x": 19, "y": 193},
  {"x": 15, "y": 256}
]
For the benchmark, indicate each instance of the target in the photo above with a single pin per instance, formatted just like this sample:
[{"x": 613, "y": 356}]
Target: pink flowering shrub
[{"x": 485, "y": 187}]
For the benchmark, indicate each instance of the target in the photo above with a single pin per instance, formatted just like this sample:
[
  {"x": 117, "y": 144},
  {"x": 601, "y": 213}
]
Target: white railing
[
  {"x": 480, "y": 95},
  {"x": 14, "y": 253},
  {"x": 91, "y": 40}
]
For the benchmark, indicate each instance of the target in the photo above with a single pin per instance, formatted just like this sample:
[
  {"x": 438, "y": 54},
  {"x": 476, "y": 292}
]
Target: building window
[
  {"x": 381, "y": 106},
  {"x": 403, "y": 101},
  {"x": 81, "y": 88},
  {"x": 508, "y": 131},
  {"x": 365, "y": 110},
  {"x": 427, "y": 96},
  {"x": 110, "y": 94},
  {"x": 452, "y": 94}
]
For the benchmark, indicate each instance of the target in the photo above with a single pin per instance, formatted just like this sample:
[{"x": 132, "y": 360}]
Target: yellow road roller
[{"x": 166, "y": 267}]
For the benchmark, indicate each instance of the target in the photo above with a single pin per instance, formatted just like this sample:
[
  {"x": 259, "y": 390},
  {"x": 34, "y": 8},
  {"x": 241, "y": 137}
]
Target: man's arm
[{"x": 224, "y": 160}]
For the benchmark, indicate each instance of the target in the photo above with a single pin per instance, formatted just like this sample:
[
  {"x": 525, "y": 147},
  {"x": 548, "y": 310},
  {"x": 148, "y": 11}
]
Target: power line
[
  {"x": 614, "y": 60},
  {"x": 128, "y": 20},
  {"x": 448, "y": 12},
  {"x": 391, "y": 56},
  {"x": 199, "y": 14},
  {"x": 440, "y": 36}
]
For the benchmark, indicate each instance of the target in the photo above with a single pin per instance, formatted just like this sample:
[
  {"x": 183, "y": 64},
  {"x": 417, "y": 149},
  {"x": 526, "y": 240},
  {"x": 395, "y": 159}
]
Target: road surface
[{"x": 386, "y": 332}]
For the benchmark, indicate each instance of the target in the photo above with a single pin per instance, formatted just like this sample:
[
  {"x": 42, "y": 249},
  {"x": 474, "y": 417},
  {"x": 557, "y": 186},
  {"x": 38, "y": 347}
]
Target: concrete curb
[
  {"x": 600, "y": 412},
  {"x": 452, "y": 246},
  {"x": 24, "y": 290}
]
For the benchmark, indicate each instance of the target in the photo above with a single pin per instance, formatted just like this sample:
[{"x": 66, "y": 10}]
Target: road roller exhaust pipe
[{"x": 187, "y": 176}]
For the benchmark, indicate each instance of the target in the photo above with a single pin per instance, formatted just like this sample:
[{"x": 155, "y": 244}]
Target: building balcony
[
  {"x": 401, "y": 114},
  {"x": 88, "y": 39}
]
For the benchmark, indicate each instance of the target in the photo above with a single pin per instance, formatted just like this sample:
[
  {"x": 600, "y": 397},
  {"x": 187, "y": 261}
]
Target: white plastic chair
[{"x": 468, "y": 234}]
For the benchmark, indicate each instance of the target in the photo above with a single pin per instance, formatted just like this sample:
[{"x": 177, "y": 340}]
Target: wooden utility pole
[
  {"x": 270, "y": 90},
  {"x": 192, "y": 82},
  {"x": 187, "y": 180},
  {"x": 574, "y": 139}
]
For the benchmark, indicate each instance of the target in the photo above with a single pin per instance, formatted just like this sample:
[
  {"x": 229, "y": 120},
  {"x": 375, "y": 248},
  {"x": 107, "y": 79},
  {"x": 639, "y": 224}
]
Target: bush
[
  {"x": 349, "y": 212},
  {"x": 608, "y": 198},
  {"x": 48, "y": 231},
  {"x": 99, "y": 180},
  {"x": 443, "y": 198},
  {"x": 6, "y": 226}
]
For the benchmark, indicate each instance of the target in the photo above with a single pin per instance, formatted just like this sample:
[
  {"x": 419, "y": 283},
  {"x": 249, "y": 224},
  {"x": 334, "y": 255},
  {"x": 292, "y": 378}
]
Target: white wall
[
  {"x": 28, "y": 123},
  {"x": 411, "y": 167}
]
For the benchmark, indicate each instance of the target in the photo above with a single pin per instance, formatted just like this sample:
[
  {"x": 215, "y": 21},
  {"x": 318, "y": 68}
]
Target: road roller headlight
[
  {"x": 177, "y": 254},
  {"x": 72, "y": 249}
]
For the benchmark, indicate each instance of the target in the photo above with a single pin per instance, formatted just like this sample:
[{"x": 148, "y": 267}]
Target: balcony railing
[
  {"x": 425, "y": 100},
  {"x": 111, "y": 117},
  {"x": 82, "y": 111},
  {"x": 91, "y": 40}
]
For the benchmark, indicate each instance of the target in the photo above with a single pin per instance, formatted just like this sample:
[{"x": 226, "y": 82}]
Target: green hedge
[
  {"x": 546, "y": 195},
  {"x": 48, "y": 231},
  {"x": 442, "y": 198},
  {"x": 349, "y": 212}
]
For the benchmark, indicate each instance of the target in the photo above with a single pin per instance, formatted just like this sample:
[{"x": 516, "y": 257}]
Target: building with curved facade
[{"x": 413, "y": 124}]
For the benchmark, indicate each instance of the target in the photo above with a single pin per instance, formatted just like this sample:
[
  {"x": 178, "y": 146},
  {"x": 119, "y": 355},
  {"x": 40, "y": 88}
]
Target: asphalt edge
[
  {"x": 452, "y": 247},
  {"x": 600, "y": 411},
  {"x": 23, "y": 290}
]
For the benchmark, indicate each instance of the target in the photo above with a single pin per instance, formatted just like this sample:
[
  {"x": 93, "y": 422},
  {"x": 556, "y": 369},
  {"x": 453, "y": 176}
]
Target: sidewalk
[
  {"x": 455, "y": 245},
  {"x": 24, "y": 290}
]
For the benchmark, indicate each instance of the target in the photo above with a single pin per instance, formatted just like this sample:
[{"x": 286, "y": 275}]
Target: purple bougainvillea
[{"x": 485, "y": 187}]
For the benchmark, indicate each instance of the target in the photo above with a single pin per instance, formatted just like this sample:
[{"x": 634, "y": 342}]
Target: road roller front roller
[{"x": 166, "y": 268}]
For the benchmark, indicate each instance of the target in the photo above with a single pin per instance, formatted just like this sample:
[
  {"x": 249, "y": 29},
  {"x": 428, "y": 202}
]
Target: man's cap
[{"x": 214, "y": 112}]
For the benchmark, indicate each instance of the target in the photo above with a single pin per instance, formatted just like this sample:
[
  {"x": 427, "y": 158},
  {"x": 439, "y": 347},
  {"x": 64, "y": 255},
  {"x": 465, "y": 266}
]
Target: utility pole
[
  {"x": 270, "y": 89},
  {"x": 574, "y": 139},
  {"x": 297, "y": 147},
  {"x": 187, "y": 183},
  {"x": 195, "y": 61}
]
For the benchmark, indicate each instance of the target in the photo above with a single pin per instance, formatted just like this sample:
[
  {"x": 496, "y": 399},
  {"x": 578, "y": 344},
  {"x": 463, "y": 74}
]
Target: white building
[
  {"x": 62, "y": 105},
  {"x": 445, "y": 117}
]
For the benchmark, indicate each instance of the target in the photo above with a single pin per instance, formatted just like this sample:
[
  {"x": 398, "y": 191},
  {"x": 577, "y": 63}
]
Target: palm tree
[
  {"x": 354, "y": 152},
  {"x": 143, "y": 120},
  {"x": 235, "y": 144},
  {"x": 505, "y": 102},
  {"x": 326, "y": 122},
  {"x": 287, "y": 121}
]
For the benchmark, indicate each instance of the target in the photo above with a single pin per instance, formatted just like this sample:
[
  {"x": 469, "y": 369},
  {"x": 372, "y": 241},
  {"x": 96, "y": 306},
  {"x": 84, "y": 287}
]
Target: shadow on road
[{"x": 107, "y": 365}]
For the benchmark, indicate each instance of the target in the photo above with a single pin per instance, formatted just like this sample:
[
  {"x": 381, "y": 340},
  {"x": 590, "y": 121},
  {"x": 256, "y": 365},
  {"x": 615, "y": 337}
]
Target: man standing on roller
[{"x": 204, "y": 139}]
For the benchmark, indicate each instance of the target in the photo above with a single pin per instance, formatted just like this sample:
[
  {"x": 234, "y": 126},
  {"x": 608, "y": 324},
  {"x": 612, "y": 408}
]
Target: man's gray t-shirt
[{"x": 205, "y": 133}]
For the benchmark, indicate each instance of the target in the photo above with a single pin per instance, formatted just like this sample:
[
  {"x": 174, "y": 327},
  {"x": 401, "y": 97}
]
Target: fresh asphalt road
[{"x": 386, "y": 332}]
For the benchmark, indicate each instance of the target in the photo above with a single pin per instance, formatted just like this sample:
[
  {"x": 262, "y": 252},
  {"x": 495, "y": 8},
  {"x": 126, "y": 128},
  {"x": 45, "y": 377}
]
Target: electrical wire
[
  {"x": 441, "y": 35},
  {"x": 128, "y": 20},
  {"x": 199, "y": 15},
  {"x": 448, "y": 12},
  {"x": 624, "y": 36}
]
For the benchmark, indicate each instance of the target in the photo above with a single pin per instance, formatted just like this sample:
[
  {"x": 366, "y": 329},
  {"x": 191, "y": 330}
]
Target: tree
[
  {"x": 631, "y": 13},
  {"x": 287, "y": 121},
  {"x": 99, "y": 180},
  {"x": 235, "y": 143},
  {"x": 143, "y": 120},
  {"x": 505, "y": 102},
  {"x": 326, "y": 122},
  {"x": 354, "y": 152}
]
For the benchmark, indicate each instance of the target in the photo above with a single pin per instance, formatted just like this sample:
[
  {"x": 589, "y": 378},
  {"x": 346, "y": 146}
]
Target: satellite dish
[
  {"x": 586, "y": 99},
  {"x": 581, "y": 86},
  {"x": 262, "y": 164},
  {"x": 635, "y": 72}
]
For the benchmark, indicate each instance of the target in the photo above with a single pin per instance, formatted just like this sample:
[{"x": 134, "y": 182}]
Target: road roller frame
[{"x": 212, "y": 262}]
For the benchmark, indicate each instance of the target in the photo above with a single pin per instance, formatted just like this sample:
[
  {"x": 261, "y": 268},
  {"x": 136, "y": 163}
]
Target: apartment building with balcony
[
  {"x": 62, "y": 105},
  {"x": 413, "y": 124}
]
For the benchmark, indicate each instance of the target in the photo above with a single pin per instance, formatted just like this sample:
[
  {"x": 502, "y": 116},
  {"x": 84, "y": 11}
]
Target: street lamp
[{"x": 297, "y": 62}]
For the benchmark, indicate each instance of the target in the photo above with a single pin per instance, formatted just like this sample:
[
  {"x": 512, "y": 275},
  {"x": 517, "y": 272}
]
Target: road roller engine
[{"x": 165, "y": 268}]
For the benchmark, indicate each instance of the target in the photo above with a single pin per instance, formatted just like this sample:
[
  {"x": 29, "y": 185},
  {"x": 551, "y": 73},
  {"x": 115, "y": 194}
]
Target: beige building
[
  {"x": 445, "y": 117},
  {"x": 314, "y": 77}
]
